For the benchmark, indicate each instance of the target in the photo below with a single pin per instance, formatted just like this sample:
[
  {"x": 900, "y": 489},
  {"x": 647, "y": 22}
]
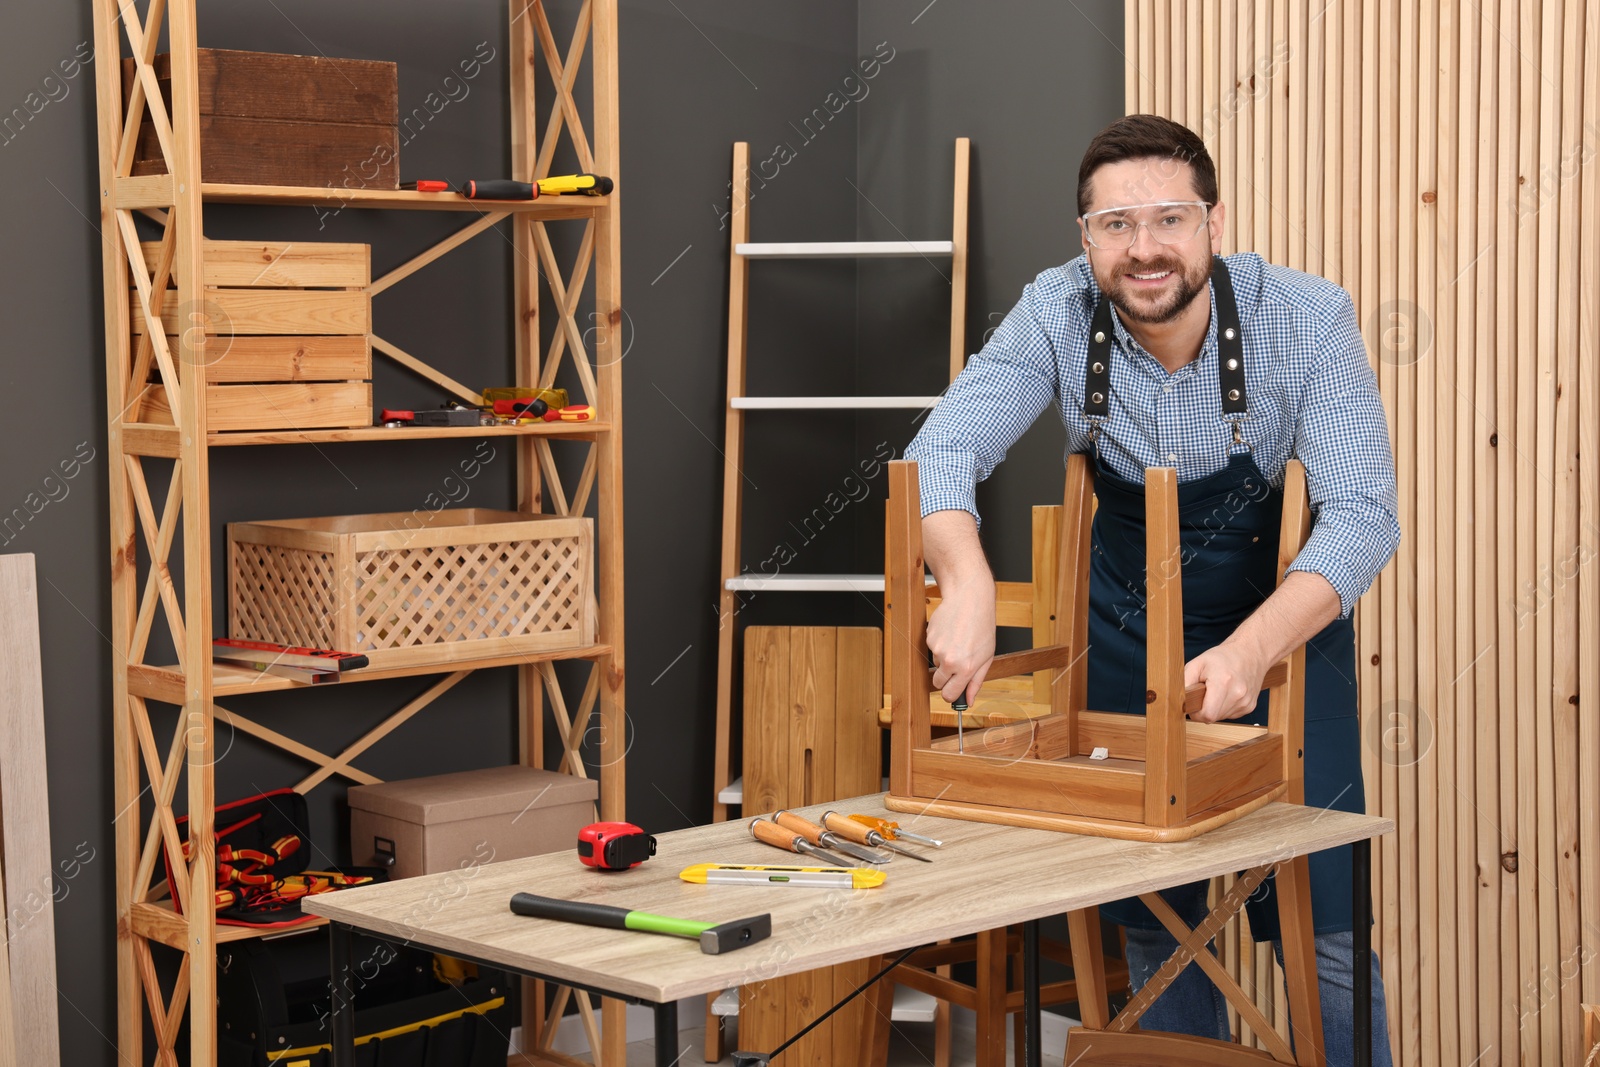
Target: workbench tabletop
[{"x": 986, "y": 876}]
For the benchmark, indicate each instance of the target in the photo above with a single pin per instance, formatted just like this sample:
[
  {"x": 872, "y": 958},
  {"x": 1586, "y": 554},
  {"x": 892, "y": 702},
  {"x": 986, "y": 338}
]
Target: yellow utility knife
[{"x": 813, "y": 877}]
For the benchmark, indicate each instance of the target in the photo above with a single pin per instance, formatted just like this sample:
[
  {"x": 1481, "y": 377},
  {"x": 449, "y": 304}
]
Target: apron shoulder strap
[
  {"x": 1230, "y": 352},
  {"x": 1230, "y": 346}
]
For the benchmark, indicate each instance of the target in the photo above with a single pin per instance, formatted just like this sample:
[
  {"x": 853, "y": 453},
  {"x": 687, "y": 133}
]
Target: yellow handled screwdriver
[
  {"x": 891, "y": 830},
  {"x": 861, "y": 834}
]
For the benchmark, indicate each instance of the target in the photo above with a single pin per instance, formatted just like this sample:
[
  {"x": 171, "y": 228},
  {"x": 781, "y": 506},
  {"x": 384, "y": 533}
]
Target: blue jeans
[{"x": 1193, "y": 1005}]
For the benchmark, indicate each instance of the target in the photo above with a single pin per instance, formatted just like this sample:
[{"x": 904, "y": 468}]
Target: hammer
[{"x": 714, "y": 938}]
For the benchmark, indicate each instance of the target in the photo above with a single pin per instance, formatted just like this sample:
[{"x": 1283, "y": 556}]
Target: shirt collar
[{"x": 1208, "y": 347}]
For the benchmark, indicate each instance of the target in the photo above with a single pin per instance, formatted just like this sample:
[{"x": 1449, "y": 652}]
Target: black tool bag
[{"x": 413, "y": 1009}]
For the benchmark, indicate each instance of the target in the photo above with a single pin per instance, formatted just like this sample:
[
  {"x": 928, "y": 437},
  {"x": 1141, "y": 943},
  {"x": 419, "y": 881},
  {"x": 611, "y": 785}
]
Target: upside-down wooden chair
[
  {"x": 1028, "y": 606},
  {"x": 1164, "y": 779}
]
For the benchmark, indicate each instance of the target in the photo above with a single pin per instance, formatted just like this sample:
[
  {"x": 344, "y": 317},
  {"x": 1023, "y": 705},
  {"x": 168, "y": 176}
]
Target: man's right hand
[{"x": 961, "y": 630}]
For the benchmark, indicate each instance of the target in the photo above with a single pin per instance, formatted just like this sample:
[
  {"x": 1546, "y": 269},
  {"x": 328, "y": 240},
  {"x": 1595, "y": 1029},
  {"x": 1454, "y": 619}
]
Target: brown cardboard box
[{"x": 453, "y": 821}]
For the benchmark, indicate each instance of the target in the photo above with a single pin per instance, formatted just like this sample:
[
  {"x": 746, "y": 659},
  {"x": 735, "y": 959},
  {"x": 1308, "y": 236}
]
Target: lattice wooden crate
[
  {"x": 287, "y": 336},
  {"x": 415, "y": 588}
]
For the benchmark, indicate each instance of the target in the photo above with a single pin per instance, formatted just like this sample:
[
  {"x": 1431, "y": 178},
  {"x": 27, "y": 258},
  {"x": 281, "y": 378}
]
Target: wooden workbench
[{"x": 986, "y": 876}]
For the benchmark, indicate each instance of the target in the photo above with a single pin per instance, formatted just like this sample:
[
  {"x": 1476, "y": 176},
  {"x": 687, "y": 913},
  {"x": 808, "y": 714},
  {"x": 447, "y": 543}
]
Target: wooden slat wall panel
[{"x": 1442, "y": 163}]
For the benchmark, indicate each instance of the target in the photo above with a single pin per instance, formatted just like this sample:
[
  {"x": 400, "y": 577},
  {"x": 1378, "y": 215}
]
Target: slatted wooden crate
[
  {"x": 287, "y": 336},
  {"x": 415, "y": 588},
  {"x": 270, "y": 119}
]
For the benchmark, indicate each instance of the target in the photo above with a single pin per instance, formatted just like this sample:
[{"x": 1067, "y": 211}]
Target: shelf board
[
  {"x": 843, "y": 249},
  {"x": 165, "y": 684},
  {"x": 551, "y": 207},
  {"x": 841, "y": 403},
  {"x": 733, "y": 792},
  {"x": 578, "y": 430},
  {"x": 161, "y": 923}
]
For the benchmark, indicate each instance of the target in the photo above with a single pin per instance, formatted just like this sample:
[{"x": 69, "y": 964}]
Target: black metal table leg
[
  {"x": 1032, "y": 1054},
  {"x": 343, "y": 1008},
  {"x": 1361, "y": 962},
  {"x": 667, "y": 1051}
]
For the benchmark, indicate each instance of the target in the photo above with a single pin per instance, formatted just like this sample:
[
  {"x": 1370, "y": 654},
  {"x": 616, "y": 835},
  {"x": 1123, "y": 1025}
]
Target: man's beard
[{"x": 1191, "y": 281}]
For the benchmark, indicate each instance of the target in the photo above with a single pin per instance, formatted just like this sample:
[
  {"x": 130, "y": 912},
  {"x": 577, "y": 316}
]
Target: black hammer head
[
  {"x": 737, "y": 934},
  {"x": 751, "y": 1059}
]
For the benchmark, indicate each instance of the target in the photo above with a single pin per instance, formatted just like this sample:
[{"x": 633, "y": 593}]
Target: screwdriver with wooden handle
[
  {"x": 892, "y": 830},
  {"x": 765, "y": 830},
  {"x": 818, "y": 836},
  {"x": 847, "y": 827}
]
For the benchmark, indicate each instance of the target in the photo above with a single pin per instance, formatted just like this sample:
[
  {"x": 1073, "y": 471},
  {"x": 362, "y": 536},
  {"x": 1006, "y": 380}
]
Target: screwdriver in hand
[
  {"x": 891, "y": 830},
  {"x": 865, "y": 835},
  {"x": 764, "y": 829},
  {"x": 818, "y": 836}
]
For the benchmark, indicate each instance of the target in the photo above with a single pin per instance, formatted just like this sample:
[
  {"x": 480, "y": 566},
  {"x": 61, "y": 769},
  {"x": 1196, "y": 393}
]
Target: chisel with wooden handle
[
  {"x": 846, "y": 827},
  {"x": 818, "y": 836},
  {"x": 765, "y": 830}
]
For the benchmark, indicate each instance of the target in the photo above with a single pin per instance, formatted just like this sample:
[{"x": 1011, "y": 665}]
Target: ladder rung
[
  {"x": 733, "y": 793},
  {"x": 810, "y": 583},
  {"x": 844, "y": 403},
  {"x": 843, "y": 249}
]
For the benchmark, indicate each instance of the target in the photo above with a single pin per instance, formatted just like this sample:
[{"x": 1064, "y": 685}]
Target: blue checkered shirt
[{"x": 1311, "y": 392}]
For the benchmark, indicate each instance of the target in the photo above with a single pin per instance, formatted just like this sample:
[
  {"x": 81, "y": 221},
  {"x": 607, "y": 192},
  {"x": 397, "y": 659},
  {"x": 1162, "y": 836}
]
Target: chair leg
[
  {"x": 1018, "y": 1021},
  {"x": 1300, "y": 959},
  {"x": 991, "y": 982},
  {"x": 1089, "y": 967},
  {"x": 715, "y": 1047},
  {"x": 941, "y": 1027},
  {"x": 880, "y": 1006}
]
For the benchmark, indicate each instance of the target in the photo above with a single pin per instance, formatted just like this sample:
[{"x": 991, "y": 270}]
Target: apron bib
[{"x": 1228, "y": 538}]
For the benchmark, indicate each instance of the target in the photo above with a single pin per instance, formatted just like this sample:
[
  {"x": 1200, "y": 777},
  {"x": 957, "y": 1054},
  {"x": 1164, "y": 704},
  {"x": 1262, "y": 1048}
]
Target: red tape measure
[{"x": 614, "y": 846}]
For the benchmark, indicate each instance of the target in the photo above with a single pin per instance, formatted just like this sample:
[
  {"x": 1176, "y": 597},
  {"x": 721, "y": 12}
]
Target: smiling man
[{"x": 1156, "y": 351}]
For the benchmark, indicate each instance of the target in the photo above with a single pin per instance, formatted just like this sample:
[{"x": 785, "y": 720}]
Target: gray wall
[{"x": 1028, "y": 82}]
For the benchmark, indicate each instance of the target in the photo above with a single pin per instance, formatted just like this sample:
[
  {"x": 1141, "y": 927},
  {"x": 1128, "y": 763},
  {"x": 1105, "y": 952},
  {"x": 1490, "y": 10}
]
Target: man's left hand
[{"x": 1232, "y": 677}]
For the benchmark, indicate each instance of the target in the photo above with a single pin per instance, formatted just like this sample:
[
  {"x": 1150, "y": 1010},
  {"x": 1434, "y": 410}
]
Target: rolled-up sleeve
[
  {"x": 1343, "y": 440},
  {"x": 985, "y": 411}
]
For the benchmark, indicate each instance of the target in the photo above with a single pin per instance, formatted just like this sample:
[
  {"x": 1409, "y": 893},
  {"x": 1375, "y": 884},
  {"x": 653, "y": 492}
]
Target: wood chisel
[
  {"x": 839, "y": 824},
  {"x": 714, "y": 938},
  {"x": 764, "y": 829},
  {"x": 892, "y": 830},
  {"x": 784, "y": 875},
  {"x": 818, "y": 836}
]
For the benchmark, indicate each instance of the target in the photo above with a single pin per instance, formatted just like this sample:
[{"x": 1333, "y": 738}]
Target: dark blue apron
[{"x": 1228, "y": 533}]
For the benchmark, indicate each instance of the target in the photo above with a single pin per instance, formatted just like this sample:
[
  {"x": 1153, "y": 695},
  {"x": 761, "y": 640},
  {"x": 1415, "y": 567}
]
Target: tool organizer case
[
  {"x": 255, "y": 826},
  {"x": 407, "y": 1013}
]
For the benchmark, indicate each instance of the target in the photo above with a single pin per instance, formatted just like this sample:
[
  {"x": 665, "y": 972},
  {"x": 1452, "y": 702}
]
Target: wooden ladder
[{"x": 729, "y": 789}]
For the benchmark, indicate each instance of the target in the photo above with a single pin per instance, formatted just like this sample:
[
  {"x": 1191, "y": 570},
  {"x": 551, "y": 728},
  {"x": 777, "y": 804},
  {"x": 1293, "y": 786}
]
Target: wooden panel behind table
[
  {"x": 1455, "y": 212},
  {"x": 811, "y": 697}
]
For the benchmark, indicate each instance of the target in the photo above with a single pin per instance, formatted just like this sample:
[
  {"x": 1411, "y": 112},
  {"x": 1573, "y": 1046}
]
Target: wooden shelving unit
[{"x": 150, "y": 458}]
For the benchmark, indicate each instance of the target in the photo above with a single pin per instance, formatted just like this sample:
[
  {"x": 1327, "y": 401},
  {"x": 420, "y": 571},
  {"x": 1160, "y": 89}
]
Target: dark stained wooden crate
[{"x": 269, "y": 119}]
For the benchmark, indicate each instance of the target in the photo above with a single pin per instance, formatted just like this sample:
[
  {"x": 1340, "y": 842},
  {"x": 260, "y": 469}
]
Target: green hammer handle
[{"x": 605, "y": 915}]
